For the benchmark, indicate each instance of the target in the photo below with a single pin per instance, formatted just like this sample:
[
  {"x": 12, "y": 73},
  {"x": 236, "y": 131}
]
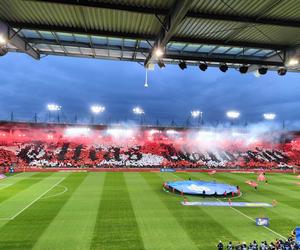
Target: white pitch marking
[
  {"x": 245, "y": 215},
  {"x": 35, "y": 200},
  {"x": 54, "y": 195}
]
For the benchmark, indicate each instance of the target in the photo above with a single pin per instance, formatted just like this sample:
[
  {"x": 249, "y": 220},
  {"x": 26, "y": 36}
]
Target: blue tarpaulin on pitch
[{"x": 197, "y": 187}]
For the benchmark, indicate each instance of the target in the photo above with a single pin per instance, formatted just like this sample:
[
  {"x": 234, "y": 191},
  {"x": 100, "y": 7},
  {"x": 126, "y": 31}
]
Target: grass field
[{"x": 131, "y": 211}]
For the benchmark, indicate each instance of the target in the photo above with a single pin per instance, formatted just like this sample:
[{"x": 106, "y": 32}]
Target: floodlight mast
[
  {"x": 96, "y": 110},
  {"x": 139, "y": 112},
  {"x": 269, "y": 116},
  {"x": 197, "y": 114},
  {"x": 52, "y": 107},
  {"x": 232, "y": 115}
]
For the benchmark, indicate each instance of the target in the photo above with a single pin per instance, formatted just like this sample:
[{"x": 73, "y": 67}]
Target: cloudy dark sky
[{"x": 26, "y": 86}]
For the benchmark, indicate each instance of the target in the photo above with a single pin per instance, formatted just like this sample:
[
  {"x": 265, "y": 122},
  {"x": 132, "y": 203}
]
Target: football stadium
[{"x": 148, "y": 166}]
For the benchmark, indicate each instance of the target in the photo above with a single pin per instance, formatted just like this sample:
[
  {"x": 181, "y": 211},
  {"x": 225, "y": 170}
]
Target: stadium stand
[{"x": 50, "y": 145}]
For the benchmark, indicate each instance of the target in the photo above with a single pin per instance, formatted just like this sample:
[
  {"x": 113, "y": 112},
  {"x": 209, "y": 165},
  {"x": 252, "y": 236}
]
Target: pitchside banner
[
  {"x": 167, "y": 170},
  {"x": 262, "y": 222},
  {"x": 298, "y": 234}
]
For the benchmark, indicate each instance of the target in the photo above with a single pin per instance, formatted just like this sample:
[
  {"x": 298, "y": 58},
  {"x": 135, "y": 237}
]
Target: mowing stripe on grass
[
  {"x": 76, "y": 220},
  {"x": 30, "y": 225},
  {"x": 245, "y": 215},
  {"x": 269, "y": 192},
  {"x": 17, "y": 177},
  {"x": 116, "y": 226},
  {"x": 283, "y": 217},
  {"x": 199, "y": 224},
  {"x": 36, "y": 199},
  {"x": 251, "y": 195},
  {"x": 241, "y": 228},
  {"x": 18, "y": 185},
  {"x": 159, "y": 229}
]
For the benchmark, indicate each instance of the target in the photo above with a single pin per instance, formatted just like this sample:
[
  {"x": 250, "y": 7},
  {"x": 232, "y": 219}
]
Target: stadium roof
[{"x": 252, "y": 32}]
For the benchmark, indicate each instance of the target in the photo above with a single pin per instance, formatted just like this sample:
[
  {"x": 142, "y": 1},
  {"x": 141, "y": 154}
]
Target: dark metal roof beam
[
  {"x": 107, "y": 5},
  {"x": 191, "y": 14},
  {"x": 52, "y": 28},
  {"x": 16, "y": 40},
  {"x": 171, "y": 21}
]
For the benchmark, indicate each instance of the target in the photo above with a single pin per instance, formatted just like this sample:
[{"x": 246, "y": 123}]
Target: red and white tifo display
[{"x": 61, "y": 146}]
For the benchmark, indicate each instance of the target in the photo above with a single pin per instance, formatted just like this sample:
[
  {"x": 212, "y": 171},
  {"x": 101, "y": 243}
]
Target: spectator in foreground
[{"x": 220, "y": 245}]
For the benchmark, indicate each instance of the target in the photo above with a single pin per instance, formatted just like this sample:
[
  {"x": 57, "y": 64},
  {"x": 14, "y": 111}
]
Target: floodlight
[
  {"x": 262, "y": 70},
  {"x": 232, "y": 114},
  {"x": 281, "y": 71},
  {"x": 53, "y": 107},
  {"x": 293, "y": 62},
  {"x": 96, "y": 109},
  {"x": 138, "y": 111},
  {"x": 203, "y": 66},
  {"x": 182, "y": 65},
  {"x": 223, "y": 68},
  {"x": 158, "y": 52},
  {"x": 3, "y": 40},
  {"x": 269, "y": 116},
  {"x": 243, "y": 69},
  {"x": 195, "y": 113}
]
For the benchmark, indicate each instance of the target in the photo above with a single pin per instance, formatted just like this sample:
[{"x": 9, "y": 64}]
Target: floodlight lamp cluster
[
  {"x": 53, "y": 107},
  {"x": 243, "y": 69},
  {"x": 196, "y": 113},
  {"x": 97, "y": 109},
  {"x": 138, "y": 111}
]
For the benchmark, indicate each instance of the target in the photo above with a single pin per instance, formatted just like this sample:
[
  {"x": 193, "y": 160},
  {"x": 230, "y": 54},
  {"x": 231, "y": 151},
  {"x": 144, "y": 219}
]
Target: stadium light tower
[
  {"x": 233, "y": 115},
  {"x": 52, "y": 107},
  {"x": 139, "y": 112},
  {"x": 96, "y": 110},
  {"x": 269, "y": 116},
  {"x": 197, "y": 114}
]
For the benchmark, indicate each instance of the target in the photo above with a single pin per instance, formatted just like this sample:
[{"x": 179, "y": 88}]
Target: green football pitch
[{"x": 131, "y": 211}]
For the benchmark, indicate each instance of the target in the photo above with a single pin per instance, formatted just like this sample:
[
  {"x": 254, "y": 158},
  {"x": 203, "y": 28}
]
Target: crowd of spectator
[
  {"x": 72, "y": 154},
  {"x": 278, "y": 244}
]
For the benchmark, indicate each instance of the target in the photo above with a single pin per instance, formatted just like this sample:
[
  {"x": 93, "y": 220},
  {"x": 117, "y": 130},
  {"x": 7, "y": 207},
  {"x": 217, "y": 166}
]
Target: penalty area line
[{"x": 35, "y": 200}]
